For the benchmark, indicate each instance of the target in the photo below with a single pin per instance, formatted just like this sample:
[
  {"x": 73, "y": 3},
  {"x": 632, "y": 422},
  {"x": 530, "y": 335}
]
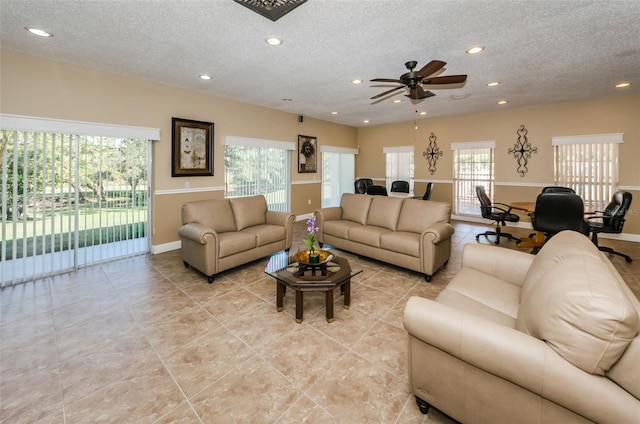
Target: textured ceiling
[{"x": 540, "y": 51}]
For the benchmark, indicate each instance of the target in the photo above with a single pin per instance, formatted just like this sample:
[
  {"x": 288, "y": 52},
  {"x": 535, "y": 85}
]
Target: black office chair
[
  {"x": 400, "y": 186},
  {"x": 557, "y": 212},
  {"x": 558, "y": 189},
  {"x": 361, "y": 185},
  {"x": 611, "y": 220},
  {"x": 427, "y": 193},
  {"x": 498, "y": 212},
  {"x": 377, "y": 190}
]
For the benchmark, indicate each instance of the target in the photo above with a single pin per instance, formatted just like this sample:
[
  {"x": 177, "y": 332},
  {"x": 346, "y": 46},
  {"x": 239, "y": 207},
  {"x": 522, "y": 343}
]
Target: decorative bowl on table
[{"x": 302, "y": 257}]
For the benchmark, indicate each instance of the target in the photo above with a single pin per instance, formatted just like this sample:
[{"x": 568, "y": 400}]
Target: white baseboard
[{"x": 167, "y": 247}]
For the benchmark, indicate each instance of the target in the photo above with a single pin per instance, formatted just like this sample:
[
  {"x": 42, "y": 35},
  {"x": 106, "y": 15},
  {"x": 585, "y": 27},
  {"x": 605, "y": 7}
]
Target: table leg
[
  {"x": 299, "y": 300},
  {"x": 346, "y": 290},
  {"x": 280, "y": 296},
  {"x": 329, "y": 302}
]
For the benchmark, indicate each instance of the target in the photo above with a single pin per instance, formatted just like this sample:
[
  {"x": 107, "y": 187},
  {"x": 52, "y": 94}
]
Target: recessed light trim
[
  {"x": 205, "y": 77},
  {"x": 366, "y": 121},
  {"x": 273, "y": 40},
  {"x": 334, "y": 113},
  {"x": 397, "y": 101},
  {"x": 502, "y": 102},
  {"x": 475, "y": 50},
  {"x": 356, "y": 81},
  {"x": 423, "y": 113},
  {"x": 39, "y": 32},
  {"x": 623, "y": 84},
  {"x": 493, "y": 84}
]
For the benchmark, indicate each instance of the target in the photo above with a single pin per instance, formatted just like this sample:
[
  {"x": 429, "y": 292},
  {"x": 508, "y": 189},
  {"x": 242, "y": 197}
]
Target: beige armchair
[{"x": 220, "y": 234}]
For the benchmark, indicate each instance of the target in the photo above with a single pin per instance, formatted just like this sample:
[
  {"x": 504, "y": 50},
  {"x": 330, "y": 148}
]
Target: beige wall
[
  {"x": 615, "y": 114},
  {"x": 42, "y": 88}
]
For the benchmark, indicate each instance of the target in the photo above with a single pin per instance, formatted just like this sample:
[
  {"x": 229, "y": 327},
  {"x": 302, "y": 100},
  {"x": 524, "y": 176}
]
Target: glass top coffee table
[{"x": 325, "y": 277}]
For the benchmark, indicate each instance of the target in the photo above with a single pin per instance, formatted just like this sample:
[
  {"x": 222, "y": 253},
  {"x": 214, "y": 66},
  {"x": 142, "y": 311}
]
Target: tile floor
[{"x": 146, "y": 340}]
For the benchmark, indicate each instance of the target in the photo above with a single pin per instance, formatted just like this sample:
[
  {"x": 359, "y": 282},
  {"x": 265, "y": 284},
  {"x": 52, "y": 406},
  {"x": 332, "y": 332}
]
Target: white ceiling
[{"x": 540, "y": 51}]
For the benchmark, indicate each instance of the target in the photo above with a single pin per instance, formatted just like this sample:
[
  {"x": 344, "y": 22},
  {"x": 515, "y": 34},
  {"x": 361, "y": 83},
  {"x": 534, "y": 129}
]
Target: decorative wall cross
[
  {"x": 432, "y": 153},
  {"x": 522, "y": 151}
]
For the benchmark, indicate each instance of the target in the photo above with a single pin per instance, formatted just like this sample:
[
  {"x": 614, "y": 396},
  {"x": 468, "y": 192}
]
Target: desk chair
[
  {"x": 427, "y": 194},
  {"x": 611, "y": 220},
  {"x": 557, "y": 212},
  {"x": 377, "y": 190},
  {"x": 361, "y": 185},
  {"x": 498, "y": 212},
  {"x": 400, "y": 186},
  {"x": 558, "y": 189}
]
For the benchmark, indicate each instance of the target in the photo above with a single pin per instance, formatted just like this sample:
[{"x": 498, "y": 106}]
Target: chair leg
[
  {"x": 422, "y": 405},
  {"x": 498, "y": 233},
  {"x": 594, "y": 239}
]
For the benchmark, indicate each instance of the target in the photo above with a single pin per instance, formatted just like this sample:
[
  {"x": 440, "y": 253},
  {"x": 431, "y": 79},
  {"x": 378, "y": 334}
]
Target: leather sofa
[
  {"x": 518, "y": 338},
  {"x": 220, "y": 234},
  {"x": 410, "y": 233}
]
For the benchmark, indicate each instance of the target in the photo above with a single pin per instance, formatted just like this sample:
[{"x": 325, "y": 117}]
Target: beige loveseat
[
  {"x": 517, "y": 338},
  {"x": 220, "y": 234},
  {"x": 410, "y": 233}
]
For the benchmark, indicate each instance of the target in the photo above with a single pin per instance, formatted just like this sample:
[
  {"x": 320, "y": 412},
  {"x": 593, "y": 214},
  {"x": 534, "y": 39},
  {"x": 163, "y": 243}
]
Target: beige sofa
[
  {"x": 517, "y": 338},
  {"x": 410, "y": 233},
  {"x": 220, "y": 234}
]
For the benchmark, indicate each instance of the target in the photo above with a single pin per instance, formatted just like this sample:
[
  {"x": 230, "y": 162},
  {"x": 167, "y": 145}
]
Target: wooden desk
[{"x": 538, "y": 240}]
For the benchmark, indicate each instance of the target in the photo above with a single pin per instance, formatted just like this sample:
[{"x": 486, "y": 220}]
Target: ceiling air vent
[{"x": 272, "y": 9}]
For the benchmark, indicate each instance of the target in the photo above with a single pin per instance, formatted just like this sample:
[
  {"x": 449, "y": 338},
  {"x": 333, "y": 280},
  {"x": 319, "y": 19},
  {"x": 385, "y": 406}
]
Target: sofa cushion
[
  {"x": 266, "y": 234},
  {"x": 339, "y": 229},
  {"x": 578, "y": 308},
  {"x": 249, "y": 211},
  {"x": 213, "y": 213},
  {"x": 401, "y": 242},
  {"x": 367, "y": 234},
  {"x": 355, "y": 207},
  {"x": 384, "y": 212},
  {"x": 563, "y": 245},
  {"x": 416, "y": 218},
  {"x": 235, "y": 242}
]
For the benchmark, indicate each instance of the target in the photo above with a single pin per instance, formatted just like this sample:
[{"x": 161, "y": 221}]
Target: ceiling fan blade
[
  {"x": 387, "y": 92},
  {"x": 431, "y": 68},
  {"x": 386, "y": 80},
  {"x": 448, "y": 79},
  {"x": 416, "y": 93}
]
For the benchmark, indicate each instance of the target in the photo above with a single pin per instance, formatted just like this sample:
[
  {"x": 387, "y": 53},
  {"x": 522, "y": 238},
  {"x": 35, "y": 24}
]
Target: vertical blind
[
  {"x": 589, "y": 165},
  {"x": 399, "y": 165},
  {"x": 472, "y": 165},
  {"x": 70, "y": 200},
  {"x": 338, "y": 173},
  {"x": 257, "y": 166}
]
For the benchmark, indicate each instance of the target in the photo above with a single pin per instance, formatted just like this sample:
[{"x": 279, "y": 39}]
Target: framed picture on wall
[
  {"x": 307, "y": 154},
  {"x": 192, "y": 148}
]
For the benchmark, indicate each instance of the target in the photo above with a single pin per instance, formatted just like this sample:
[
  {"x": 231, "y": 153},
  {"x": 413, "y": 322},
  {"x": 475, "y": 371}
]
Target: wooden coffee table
[{"x": 336, "y": 273}]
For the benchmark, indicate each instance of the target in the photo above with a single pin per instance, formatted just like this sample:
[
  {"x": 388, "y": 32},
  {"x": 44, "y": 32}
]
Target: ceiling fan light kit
[{"x": 415, "y": 81}]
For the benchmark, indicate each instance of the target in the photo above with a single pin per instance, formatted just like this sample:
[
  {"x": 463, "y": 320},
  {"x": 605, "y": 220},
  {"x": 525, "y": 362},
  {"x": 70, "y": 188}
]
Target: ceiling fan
[{"x": 416, "y": 81}]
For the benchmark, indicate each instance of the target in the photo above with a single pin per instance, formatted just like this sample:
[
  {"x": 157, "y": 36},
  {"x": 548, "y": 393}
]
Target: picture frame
[
  {"x": 307, "y": 154},
  {"x": 192, "y": 148}
]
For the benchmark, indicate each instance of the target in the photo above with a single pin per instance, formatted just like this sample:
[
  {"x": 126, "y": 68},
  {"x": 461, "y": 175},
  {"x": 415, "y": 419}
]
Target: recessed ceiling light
[
  {"x": 459, "y": 96},
  {"x": 423, "y": 113},
  {"x": 493, "y": 84},
  {"x": 356, "y": 81},
  {"x": 623, "y": 84},
  {"x": 40, "y": 32},
  {"x": 502, "y": 102},
  {"x": 475, "y": 49},
  {"x": 273, "y": 41},
  {"x": 397, "y": 101},
  {"x": 334, "y": 113},
  {"x": 205, "y": 77},
  {"x": 366, "y": 121}
]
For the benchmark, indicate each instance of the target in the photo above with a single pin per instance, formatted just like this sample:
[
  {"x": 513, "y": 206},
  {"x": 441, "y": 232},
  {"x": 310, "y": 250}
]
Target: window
[
  {"x": 255, "y": 166},
  {"x": 338, "y": 173},
  {"x": 399, "y": 165},
  {"x": 589, "y": 165},
  {"x": 472, "y": 166}
]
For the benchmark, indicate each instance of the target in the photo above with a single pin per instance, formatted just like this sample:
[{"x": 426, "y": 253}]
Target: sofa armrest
[
  {"x": 505, "y": 264},
  {"x": 196, "y": 232},
  {"x": 440, "y": 231},
  {"x": 516, "y": 357},
  {"x": 284, "y": 219},
  {"x": 326, "y": 214}
]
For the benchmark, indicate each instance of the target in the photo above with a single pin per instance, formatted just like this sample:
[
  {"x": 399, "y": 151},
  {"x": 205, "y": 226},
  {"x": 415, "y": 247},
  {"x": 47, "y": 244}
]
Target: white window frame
[{"x": 465, "y": 199}]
